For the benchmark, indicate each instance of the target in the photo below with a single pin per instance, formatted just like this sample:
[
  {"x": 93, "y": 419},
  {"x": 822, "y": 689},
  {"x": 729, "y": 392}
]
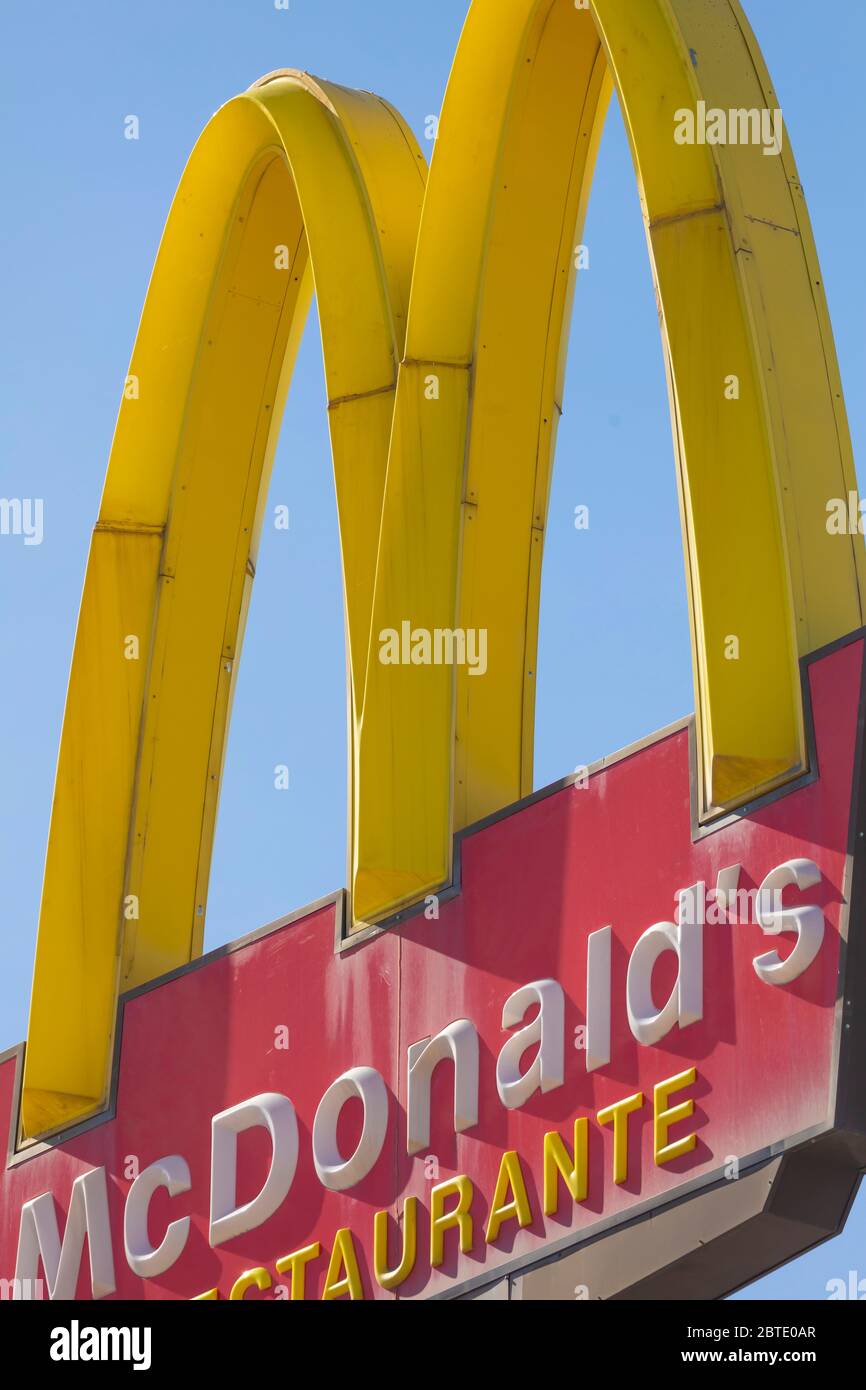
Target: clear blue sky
[{"x": 84, "y": 213}]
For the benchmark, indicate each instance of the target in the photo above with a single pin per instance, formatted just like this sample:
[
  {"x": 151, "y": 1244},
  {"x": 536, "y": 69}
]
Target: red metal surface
[{"x": 534, "y": 885}]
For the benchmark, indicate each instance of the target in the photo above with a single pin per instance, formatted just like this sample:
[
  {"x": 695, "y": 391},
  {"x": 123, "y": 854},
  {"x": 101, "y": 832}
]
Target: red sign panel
[{"x": 610, "y": 1009}]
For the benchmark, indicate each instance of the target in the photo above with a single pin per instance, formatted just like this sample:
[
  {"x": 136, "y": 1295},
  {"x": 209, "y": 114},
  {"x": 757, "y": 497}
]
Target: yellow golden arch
[{"x": 442, "y": 305}]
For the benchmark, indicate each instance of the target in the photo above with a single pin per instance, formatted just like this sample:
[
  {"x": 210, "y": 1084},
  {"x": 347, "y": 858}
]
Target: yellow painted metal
[
  {"x": 294, "y": 174},
  {"x": 463, "y": 523},
  {"x": 450, "y": 451}
]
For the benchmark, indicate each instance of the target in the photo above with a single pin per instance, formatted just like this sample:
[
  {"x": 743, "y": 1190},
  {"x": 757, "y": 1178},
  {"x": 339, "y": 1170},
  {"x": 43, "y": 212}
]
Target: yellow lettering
[
  {"x": 442, "y": 1221},
  {"x": 343, "y": 1258},
  {"x": 559, "y": 1163},
  {"x": 517, "y": 1208},
  {"x": 390, "y": 1278},
  {"x": 295, "y": 1265},
  {"x": 618, "y": 1114},
  {"x": 664, "y": 1116},
  {"x": 251, "y": 1278}
]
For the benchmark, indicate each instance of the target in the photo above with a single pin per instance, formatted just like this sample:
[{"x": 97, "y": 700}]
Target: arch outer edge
[{"x": 276, "y": 198}]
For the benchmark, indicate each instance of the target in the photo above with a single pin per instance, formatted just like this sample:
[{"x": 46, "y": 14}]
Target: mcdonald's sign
[{"x": 539, "y": 1028}]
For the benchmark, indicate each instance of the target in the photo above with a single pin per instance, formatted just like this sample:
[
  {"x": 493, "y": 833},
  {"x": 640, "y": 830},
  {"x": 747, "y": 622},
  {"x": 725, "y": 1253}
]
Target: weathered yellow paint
[
  {"x": 443, "y": 416},
  {"x": 335, "y": 177},
  {"x": 738, "y": 294}
]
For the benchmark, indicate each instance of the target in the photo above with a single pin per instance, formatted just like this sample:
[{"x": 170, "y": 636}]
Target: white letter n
[{"x": 459, "y": 1041}]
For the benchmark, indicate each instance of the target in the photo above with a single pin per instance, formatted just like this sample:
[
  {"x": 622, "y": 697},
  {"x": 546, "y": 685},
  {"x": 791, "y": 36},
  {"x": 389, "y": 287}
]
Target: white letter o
[{"x": 336, "y": 1172}]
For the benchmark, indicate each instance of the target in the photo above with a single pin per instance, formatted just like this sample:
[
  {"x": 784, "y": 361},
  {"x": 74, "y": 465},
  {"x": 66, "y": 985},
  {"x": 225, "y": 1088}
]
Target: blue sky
[{"x": 84, "y": 213}]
